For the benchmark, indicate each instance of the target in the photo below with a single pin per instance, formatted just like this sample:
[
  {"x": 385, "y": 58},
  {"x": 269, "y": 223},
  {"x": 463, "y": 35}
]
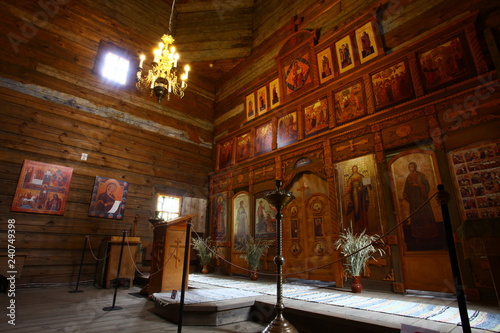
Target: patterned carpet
[
  {"x": 194, "y": 296},
  {"x": 440, "y": 313}
]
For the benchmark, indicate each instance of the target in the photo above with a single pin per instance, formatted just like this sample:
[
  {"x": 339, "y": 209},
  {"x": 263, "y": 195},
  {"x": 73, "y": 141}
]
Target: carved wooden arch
[{"x": 317, "y": 166}]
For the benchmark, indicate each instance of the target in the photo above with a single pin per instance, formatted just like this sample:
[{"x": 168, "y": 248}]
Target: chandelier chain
[{"x": 170, "y": 20}]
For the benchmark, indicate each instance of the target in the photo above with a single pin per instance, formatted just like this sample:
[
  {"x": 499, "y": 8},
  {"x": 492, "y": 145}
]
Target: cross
[
  {"x": 294, "y": 24},
  {"x": 174, "y": 253},
  {"x": 264, "y": 171},
  {"x": 352, "y": 145},
  {"x": 303, "y": 189}
]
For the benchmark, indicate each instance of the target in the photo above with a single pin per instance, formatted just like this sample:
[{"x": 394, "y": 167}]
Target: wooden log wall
[{"x": 54, "y": 108}]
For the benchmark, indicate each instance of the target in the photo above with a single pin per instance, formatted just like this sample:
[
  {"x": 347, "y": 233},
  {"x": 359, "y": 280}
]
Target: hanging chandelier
[{"x": 162, "y": 79}]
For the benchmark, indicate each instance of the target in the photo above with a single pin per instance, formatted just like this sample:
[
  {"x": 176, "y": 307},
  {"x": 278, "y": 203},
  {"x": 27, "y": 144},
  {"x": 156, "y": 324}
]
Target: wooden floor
[{"x": 54, "y": 309}]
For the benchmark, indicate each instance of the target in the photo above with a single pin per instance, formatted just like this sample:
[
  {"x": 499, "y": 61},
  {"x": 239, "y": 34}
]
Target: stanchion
[
  {"x": 116, "y": 282},
  {"x": 184, "y": 276},
  {"x": 443, "y": 198},
  {"x": 279, "y": 199},
  {"x": 80, "y": 270}
]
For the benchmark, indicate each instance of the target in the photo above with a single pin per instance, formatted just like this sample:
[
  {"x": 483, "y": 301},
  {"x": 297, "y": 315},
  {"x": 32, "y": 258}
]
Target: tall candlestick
[{"x": 279, "y": 199}]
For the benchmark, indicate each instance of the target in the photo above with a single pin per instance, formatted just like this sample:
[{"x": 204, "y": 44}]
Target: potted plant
[
  {"x": 357, "y": 249},
  {"x": 253, "y": 250},
  {"x": 204, "y": 251}
]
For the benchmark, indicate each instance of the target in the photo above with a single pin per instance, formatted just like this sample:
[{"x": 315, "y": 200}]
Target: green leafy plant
[
  {"x": 253, "y": 250},
  {"x": 357, "y": 249},
  {"x": 203, "y": 249}
]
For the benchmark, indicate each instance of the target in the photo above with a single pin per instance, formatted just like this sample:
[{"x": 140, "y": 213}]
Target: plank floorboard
[{"x": 55, "y": 309}]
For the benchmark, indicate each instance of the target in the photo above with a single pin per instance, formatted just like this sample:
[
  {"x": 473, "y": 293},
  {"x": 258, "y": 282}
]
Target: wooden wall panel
[{"x": 54, "y": 108}]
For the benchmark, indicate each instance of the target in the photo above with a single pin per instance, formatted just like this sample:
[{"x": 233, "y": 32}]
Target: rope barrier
[
  {"x": 131, "y": 256},
  {"x": 92, "y": 252},
  {"x": 330, "y": 263}
]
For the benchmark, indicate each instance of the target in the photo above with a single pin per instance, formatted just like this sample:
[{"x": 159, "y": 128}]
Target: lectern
[
  {"x": 167, "y": 256},
  {"x": 110, "y": 251}
]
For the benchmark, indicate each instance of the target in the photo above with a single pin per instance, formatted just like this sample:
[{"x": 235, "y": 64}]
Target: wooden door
[
  {"x": 307, "y": 238},
  {"x": 295, "y": 249},
  {"x": 424, "y": 256},
  {"x": 319, "y": 237}
]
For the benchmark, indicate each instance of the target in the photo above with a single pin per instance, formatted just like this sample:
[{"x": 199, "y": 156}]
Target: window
[
  {"x": 113, "y": 64},
  {"x": 169, "y": 207},
  {"x": 115, "y": 68}
]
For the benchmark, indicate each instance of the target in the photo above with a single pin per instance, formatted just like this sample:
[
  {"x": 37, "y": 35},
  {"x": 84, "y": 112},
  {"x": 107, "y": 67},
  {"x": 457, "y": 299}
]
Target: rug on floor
[
  {"x": 440, "y": 313},
  {"x": 202, "y": 295}
]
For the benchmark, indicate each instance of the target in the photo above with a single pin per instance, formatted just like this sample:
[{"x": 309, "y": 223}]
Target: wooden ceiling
[{"x": 213, "y": 36}]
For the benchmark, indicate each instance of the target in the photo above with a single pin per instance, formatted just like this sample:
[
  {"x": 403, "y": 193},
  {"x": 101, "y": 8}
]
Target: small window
[
  {"x": 168, "y": 206},
  {"x": 113, "y": 64},
  {"x": 115, "y": 68}
]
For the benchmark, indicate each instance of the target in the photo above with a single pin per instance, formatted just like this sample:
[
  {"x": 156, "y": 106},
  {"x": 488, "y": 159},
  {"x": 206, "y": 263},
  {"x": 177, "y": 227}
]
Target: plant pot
[
  {"x": 356, "y": 285},
  {"x": 204, "y": 269},
  {"x": 254, "y": 275}
]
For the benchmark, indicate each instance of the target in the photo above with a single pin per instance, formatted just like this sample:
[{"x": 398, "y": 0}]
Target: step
[{"x": 209, "y": 313}]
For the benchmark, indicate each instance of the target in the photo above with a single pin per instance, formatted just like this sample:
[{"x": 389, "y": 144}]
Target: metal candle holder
[{"x": 279, "y": 199}]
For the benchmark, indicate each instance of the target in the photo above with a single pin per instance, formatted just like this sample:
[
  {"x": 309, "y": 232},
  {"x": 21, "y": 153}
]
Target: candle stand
[{"x": 279, "y": 199}]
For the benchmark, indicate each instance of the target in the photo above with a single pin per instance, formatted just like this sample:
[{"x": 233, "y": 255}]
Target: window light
[
  {"x": 115, "y": 68},
  {"x": 168, "y": 206}
]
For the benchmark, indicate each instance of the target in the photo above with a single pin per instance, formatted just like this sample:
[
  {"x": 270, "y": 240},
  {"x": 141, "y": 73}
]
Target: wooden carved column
[
  {"x": 275, "y": 133},
  {"x": 252, "y": 146},
  {"x": 217, "y": 158},
  {"x": 328, "y": 160},
  {"x": 300, "y": 126},
  {"x": 435, "y": 131},
  {"x": 369, "y": 94},
  {"x": 331, "y": 112},
  {"x": 477, "y": 53},
  {"x": 233, "y": 153},
  {"x": 415, "y": 75},
  {"x": 279, "y": 170},
  {"x": 334, "y": 213},
  {"x": 250, "y": 179},
  {"x": 379, "y": 146}
]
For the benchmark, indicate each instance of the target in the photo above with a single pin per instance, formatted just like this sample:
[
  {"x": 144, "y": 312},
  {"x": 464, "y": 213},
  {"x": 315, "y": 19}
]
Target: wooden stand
[
  {"x": 167, "y": 255},
  {"x": 106, "y": 269}
]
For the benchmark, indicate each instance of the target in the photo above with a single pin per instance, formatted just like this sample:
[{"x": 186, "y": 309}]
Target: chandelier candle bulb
[
  {"x": 157, "y": 54},
  {"x": 176, "y": 57},
  {"x": 183, "y": 80}
]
